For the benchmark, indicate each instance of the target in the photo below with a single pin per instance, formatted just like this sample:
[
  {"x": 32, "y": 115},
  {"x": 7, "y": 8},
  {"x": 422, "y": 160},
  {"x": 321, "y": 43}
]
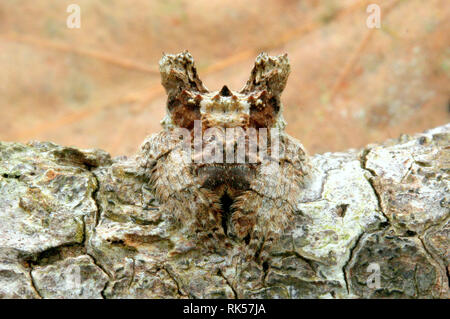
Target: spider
[{"x": 223, "y": 164}]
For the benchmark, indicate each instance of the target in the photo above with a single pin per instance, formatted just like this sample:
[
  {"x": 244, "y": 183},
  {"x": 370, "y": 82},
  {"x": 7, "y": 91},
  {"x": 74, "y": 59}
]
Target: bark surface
[{"x": 78, "y": 224}]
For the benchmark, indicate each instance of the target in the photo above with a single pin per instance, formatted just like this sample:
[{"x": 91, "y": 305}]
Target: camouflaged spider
[{"x": 245, "y": 200}]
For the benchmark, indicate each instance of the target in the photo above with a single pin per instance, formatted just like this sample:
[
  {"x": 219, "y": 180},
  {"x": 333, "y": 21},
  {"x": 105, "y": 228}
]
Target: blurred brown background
[{"x": 98, "y": 86}]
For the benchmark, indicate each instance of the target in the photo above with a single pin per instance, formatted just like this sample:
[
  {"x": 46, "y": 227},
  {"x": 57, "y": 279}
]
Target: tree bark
[{"x": 78, "y": 224}]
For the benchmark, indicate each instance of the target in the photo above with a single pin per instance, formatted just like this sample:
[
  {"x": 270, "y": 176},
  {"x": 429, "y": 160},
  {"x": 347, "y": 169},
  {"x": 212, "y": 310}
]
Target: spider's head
[
  {"x": 225, "y": 119},
  {"x": 257, "y": 105}
]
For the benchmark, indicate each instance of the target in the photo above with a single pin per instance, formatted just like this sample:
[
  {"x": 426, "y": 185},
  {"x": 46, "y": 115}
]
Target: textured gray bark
[{"x": 78, "y": 224}]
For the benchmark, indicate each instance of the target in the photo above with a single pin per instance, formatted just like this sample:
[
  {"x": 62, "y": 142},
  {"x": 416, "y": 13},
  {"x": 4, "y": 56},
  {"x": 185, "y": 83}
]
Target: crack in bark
[
  {"x": 102, "y": 292},
  {"x": 379, "y": 200},
  {"x": 363, "y": 161},
  {"x": 57, "y": 253},
  {"x": 33, "y": 283},
  {"x": 309, "y": 262},
  {"x": 436, "y": 259},
  {"x": 99, "y": 265},
  {"x": 266, "y": 268},
  {"x": 173, "y": 277},
  {"x": 94, "y": 195},
  {"x": 437, "y": 224},
  {"x": 447, "y": 271},
  {"x": 344, "y": 271},
  {"x": 83, "y": 239},
  {"x": 220, "y": 273}
]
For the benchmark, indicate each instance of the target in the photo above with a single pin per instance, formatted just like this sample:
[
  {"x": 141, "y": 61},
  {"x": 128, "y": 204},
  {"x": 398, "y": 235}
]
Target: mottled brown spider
[{"x": 197, "y": 174}]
